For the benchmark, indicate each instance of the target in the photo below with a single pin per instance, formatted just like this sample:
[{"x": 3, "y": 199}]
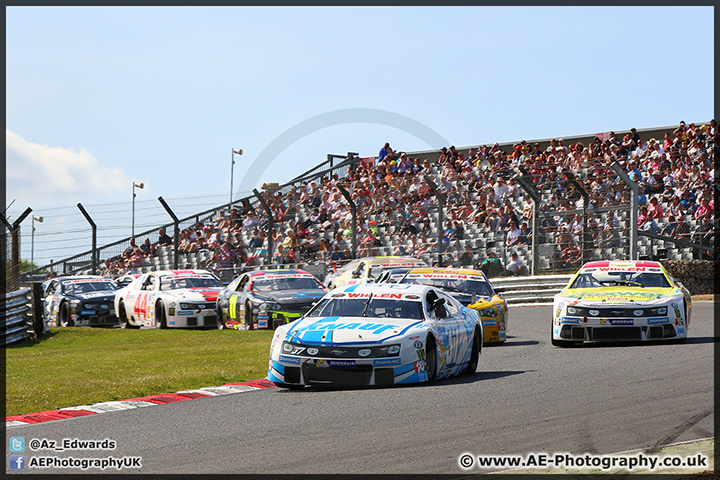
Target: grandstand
[{"x": 574, "y": 195}]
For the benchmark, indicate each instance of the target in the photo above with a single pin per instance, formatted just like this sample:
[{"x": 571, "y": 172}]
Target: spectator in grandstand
[
  {"x": 668, "y": 228},
  {"x": 681, "y": 230},
  {"x": 515, "y": 267},
  {"x": 513, "y": 234},
  {"x": 491, "y": 266},
  {"x": 164, "y": 239},
  {"x": 610, "y": 237},
  {"x": 704, "y": 210},
  {"x": 704, "y": 235},
  {"x": 148, "y": 249},
  {"x": 130, "y": 248},
  {"x": 255, "y": 241},
  {"x": 466, "y": 258},
  {"x": 385, "y": 153},
  {"x": 655, "y": 209}
]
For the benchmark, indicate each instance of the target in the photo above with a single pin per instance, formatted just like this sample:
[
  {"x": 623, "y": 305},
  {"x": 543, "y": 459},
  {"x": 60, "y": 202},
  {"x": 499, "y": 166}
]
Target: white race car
[
  {"x": 377, "y": 334},
  {"x": 169, "y": 298},
  {"x": 609, "y": 301}
]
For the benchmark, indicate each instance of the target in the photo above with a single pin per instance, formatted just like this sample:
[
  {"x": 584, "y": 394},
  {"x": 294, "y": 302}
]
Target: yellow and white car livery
[
  {"x": 472, "y": 289},
  {"x": 611, "y": 301}
]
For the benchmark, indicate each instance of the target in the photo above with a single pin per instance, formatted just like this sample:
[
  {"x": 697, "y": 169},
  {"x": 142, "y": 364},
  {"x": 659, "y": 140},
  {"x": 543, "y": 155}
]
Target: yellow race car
[
  {"x": 621, "y": 301},
  {"x": 473, "y": 290}
]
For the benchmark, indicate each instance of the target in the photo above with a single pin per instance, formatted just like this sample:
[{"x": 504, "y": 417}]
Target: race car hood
[
  {"x": 292, "y": 297},
  {"x": 339, "y": 330},
  {"x": 98, "y": 296},
  {"x": 611, "y": 295},
  {"x": 195, "y": 294},
  {"x": 466, "y": 299}
]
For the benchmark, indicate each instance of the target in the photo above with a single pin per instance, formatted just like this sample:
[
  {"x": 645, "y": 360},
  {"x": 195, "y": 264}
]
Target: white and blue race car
[{"x": 377, "y": 334}]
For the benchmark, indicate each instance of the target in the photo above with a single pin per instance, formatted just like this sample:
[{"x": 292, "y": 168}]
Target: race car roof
[
  {"x": 84, "y": 278},
  {"x": 383, "y": 290},
  {"x": 450, "y": 273},
  {"x": 621, "y": 266},
  {"x": 393, "y": 261},
  {"x": 280, "y": 272},
  {"x": 183, "y": 273}
]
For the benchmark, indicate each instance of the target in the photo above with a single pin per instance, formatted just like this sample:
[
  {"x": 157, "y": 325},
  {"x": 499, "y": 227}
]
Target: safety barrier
[
  {"x": 536, "y": 290},
  {"x": 16, "y": 316}
]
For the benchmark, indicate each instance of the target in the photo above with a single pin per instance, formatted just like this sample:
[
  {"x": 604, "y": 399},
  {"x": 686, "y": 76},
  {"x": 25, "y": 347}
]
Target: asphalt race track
[{"x": 527, "y": 396}]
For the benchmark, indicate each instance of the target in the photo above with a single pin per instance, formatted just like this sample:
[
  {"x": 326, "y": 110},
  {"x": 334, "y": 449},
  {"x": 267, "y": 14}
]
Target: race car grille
[
  {"x": 346, "y": 377},
  {"x": 298, "y": 308},
  {"x": 617, "y": 312},
  {"x": 208, "y": 320},
  {"x": 103, "y": 320},
  {"x": 616, "y": 333}
]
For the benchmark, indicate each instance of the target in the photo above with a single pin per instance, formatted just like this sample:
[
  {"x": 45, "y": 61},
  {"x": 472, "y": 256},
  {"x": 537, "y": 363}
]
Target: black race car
[
  {"x": 267, "y": 298},
  {"x": 79, "y": 300}
]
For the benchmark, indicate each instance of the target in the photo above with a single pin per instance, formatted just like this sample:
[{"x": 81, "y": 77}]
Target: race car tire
[
  {"x": 288, "y": 386},
  {"x": 160, "y": 319},
  {"x": 64, "y": 316},
  {"x": 560, "y": 343},
  {"x": 430, "y": 357},
  {"x": 220, "y": 319},
  {"x": 123, "y": 319},
  {"x": 474, "y": 354},
  {"x": 249, "y": 316}
]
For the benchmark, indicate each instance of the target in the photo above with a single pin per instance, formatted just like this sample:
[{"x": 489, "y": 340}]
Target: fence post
[
  {"x": 633, "y": 208},
  {"x": 353, "y": 210},
  {"x": 271, "y": 224},
  {"x": 536, "y": 211},
  {"x": 14, "y": 277},
  {"x": 441, "y": 215},
  {"x": 176, "y": 236},
  {"x": 94, "y": 252},
  {"x": 37, "y": 308}
]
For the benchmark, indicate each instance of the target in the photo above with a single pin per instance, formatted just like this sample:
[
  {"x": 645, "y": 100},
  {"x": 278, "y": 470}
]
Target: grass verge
[{"x": 79, "y": 366}]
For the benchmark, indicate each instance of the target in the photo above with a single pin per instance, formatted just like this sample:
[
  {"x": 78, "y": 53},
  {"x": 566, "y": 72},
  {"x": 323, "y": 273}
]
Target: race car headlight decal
[
  {"x": 572, "y": 311},
  {"x": 88, "y": 306},
  {"x": 270, "y": 307},
  {"x": 186, "y": 306},
  {"x": 488, "y": 312},
  {"x": 393, "y": 349},
  {"x": 339, "y": 351}
]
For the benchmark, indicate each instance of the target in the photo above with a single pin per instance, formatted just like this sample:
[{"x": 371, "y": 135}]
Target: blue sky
[{"x": 99, "y": 97}]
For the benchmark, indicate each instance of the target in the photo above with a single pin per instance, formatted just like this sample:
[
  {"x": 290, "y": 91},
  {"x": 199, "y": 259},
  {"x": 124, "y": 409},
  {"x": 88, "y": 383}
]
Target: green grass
[{"x": 80, "y": 366}]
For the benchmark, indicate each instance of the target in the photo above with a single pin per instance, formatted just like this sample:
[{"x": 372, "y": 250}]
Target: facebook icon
[{"x": 17, "y": 462}]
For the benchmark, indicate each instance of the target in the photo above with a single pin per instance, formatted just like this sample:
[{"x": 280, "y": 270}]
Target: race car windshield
[
  {"x": 281, "y": 284},
  {"x": 376, "y": 270},
  {"x": 627, "y": 279},
  {"x": 87, "y": 287},
  {"x": 375, "y": 307},
  {"x": 471, "y": 287},
  {"x": 188, "y": 282}
]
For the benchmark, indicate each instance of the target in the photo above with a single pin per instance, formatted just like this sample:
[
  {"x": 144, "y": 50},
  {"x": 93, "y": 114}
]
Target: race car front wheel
[
  {"x": 220, "y": 320},
  {"x": 64, "y": 315},
  {"x": 160, "y": 320},
  {"x": 559, "y": 343},
  {"x": 249, "y": 316},
  {"x": 122, "y": 317},
  {"x": 430, "y": 357}
]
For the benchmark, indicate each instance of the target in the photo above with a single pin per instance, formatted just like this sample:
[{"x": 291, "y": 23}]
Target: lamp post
[
  {"x": 140, "y": 186},
  {"x": 32, "y": 241},
  {"x": 232, "y": 165}
]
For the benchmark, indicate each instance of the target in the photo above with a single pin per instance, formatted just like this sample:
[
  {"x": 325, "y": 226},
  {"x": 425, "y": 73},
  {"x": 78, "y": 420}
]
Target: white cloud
[{"x": 39, "y": 174}]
